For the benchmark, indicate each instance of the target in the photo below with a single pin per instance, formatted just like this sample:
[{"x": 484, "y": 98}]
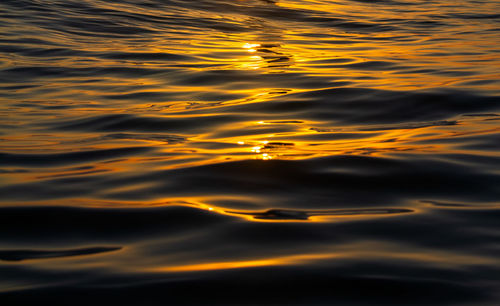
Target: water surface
[{"x": 250, "y": 152}]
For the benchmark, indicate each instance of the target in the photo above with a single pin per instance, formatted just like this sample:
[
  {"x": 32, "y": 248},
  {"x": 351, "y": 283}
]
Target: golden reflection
[
  {"x": 256, "y": 149},
  {"x": 208, "y": 105},
  {"x": 276, "y": 261},
  {"x": 266, "y": 156},
  {"x": 251, "y": 47},
  {"x": 276, "y": 139},
  {"x": 377, "y": 250},
  {"x": 212, "y": 204}
]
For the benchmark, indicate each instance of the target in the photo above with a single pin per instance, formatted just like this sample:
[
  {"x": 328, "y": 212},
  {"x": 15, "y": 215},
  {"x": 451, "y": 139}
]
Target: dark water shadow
[
  {"x": 20, "y": 255},
  {"x": 284, "y": 214}
]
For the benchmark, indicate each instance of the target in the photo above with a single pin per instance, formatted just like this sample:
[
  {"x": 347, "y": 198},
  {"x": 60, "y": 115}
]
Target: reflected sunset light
[{"x": 221, "y": 152}]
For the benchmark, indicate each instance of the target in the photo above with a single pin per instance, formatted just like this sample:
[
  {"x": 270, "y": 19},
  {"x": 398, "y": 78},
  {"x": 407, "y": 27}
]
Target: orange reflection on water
[
  {"x": 377, "y": 250},
  {"x": 192, "y": 108},
  {"x": 276, "y": 261},
  {"x": 284, "y": 139}
]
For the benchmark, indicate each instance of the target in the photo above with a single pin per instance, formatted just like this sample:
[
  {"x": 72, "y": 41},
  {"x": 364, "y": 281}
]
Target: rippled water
[{"x": 250, "y": 152}]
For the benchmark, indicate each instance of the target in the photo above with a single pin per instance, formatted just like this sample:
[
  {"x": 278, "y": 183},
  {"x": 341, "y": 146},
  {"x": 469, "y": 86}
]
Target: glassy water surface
[{"x": 250, "y": 151}]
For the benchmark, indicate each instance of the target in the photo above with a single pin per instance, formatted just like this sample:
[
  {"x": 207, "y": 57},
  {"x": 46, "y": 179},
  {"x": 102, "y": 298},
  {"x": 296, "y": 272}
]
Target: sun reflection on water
[
  {"x": 216, "y": 135},
  {"x": 205, "y": 97}
]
